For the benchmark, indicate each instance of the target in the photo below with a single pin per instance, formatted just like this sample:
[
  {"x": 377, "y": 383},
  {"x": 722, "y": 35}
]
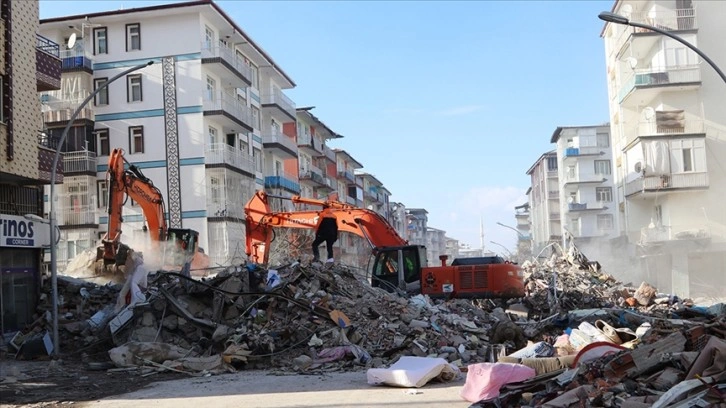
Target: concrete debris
[{"x": 585, "y": 338}]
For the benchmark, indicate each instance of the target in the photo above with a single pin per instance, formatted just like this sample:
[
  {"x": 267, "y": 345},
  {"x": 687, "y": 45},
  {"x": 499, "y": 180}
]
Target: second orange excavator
[{"x": 397, "y": 265}]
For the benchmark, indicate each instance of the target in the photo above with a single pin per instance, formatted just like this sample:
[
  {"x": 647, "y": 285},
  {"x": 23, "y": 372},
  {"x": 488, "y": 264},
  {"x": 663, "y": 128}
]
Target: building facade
[
  {"x": 29, "y": 63},
  {"x": 544, "y": 203},
  {"x": 667, "y": 123},
  {"x": 208, "y": 122},
  {"x": 588, "y": 209}
]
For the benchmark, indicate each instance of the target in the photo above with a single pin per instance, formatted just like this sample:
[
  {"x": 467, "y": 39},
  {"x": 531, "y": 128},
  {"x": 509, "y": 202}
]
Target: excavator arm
[
  {"x": 132, "y": 183},
  {"x": 359, "y": 221}
]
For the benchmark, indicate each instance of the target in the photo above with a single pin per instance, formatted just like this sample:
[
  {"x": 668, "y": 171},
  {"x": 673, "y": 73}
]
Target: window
[
  {"x": 101, "y": 98},
  {"x": 213, "y": 138},
  {"x": 605, "y": 222},
  {"x": 603, "y": 140},
  {"x": 602, "y": 167},
  {"x": 551, "y": 163},
  {"x": 687, "y": 159},
  {"x": 215, "y": 190},
  {"x": 278, "y": 168},
  {"x": 604, "y": 194},
  {"x": 133, "y": 88},
  {"x": 244, "y": 147},
  {"x": 136, "y": 139},
  {"x": 688, "y": 155},
  {"x": 255, "y": 117},
  {"x": 104, "y": 148},
  {"x": 100, "y": 41},
  {"x": 208, "y": 38},
  {"x": 102, "y": 191},
  {"x": 257, "y": 156},
  {"x": 211, "y": 89},
  {"x": 133, "y": 37}
]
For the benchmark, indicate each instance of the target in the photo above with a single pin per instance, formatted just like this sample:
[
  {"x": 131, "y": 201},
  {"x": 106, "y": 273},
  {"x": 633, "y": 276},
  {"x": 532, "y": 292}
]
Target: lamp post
[
  {"x": 52, "y": 198},
  {"x": 618, "y": 19},
  {"x": 511, "y": 228},
  {"x": 509, "y": 254}
]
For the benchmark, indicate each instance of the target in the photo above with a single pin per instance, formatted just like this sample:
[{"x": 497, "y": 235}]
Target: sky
[{"x": 447, "y": 103}]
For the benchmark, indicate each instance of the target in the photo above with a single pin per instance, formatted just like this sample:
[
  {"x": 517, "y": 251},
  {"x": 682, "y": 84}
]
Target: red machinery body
[{"x": 500, "y": 280}]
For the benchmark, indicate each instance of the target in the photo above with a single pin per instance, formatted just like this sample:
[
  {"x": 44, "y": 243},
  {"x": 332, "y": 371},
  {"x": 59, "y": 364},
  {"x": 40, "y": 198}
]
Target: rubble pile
[{"x": 586, "y": 339}]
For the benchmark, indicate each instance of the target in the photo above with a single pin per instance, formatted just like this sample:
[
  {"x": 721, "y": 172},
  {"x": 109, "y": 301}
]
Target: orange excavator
[
  {"x": 397, "y": 266},
  {"x": 130, "y": 182}
]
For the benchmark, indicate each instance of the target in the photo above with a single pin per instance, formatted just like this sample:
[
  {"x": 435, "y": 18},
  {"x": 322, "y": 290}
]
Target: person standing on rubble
[{"x": 325, "y": 231}]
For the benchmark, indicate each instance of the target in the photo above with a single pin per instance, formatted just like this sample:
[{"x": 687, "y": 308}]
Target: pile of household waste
[{"x": 579, "y": 337}]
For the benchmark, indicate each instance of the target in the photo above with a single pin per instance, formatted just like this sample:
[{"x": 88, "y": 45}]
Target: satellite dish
[
  {"x": 638, "y": 167},
  {"x": 71, "y": 41},
  {"x": 633, "y": 62}
]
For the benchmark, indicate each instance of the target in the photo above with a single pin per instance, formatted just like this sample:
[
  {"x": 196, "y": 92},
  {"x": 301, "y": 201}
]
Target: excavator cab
[{"x": 398, "y": 268}]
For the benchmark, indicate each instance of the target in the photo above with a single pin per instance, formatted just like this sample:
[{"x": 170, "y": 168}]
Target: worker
[{"x": 326, "y": 231}]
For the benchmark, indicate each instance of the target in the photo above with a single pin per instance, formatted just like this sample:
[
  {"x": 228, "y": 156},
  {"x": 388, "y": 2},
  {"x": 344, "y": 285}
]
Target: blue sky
[{"x": 447, "y": 103}]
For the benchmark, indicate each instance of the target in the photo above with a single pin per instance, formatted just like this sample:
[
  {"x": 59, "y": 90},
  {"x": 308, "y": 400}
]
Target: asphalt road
[{"x": 263, "y": 390}]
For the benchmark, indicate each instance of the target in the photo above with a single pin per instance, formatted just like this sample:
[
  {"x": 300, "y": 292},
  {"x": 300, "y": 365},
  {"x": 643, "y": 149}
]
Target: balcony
[
  {"x": 308, "y": 143},
  {"x": 76, "y": 59},
  {"x": 350, "y": 200},
  {"x": 651, "y": 80},
  {"x": 224, "y": 154},
  {"x": 47, "y": 64},
  {"x": 57, "y": 107},
  {"x": 286, "y": 181},
  {"x": 680, "y": 233},
  {"x": 227, "y": 208},
  {"x": 279, "y": 144},
  {"x": 80, "y": 162},
  {"x": 683, "y": 127},
  {"x": 573, "y": 179},
  {"x": 280, "y": 106},
  {"x": 343, "y": 174},
  {"x": 328, "y": 153},
  {"x": 552, "y": 195},
  {"x": 670, "y": 182},
  {"x": 582, "y": 207},
  {"x": 313, "y": 174},
  {"x": 665, "y": 19},
  {"x": 76, "y": 214},
  {"x": 230, "y": 112},
  {"x": 585, "y": 151},
  {"x": 224, "y": 62}
]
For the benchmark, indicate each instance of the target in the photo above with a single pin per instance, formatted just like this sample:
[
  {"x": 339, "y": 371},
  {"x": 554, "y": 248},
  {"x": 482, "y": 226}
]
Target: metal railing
[
  {"x": 667, "y": 182},
  {"x": 653, "y": 128},
  {"x": 669, "y": 20},
  {"x": 346, "y": 175},
  {"x": 329, "y": 153},
  {"x": 47, "y": 46},
  {"x": 583, "y": 151},
  {"x": 59, "y": 107},
  {"x": 270, "y": 136},
  {"x": 278, "y": 98},
  {"x": 659, "y": 76},
  {"x": 79, "y": 162},
  {"x": 76, "y": 214},
  {"x": 222, "y": 153},
  {"x": 75, "y": 58},
  {"x": 229, "y": 56},
  {"x": 223, "y": 101},
  {"x": 285, "y": 180},
  {"x": 674, "y": 232}
]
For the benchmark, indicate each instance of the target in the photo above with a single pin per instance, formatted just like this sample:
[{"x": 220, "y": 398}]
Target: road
[{"x": 264, "y": 390}]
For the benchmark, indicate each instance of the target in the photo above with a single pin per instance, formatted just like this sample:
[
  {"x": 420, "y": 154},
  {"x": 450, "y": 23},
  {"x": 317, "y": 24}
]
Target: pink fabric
[{"x": 483, "y": 380}]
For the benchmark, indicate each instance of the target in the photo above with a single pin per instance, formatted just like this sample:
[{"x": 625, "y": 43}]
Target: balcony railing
[
  {"x": 660, "y": 76},
  {"x": 286, "y": 181},
  {"x": 270, "y": 136},
  {"x": 313, "y": 173},
  {"x": 222, "y": 153},
  {"x": 230, "y": 57},
  {"x": 329, "y": 153},
  {"x": 47, "y": 64},
  {"x": 76, "y": 58},
  {"x": 665, "y": 233},
  {"x": 346, "y": 175},
  {"x": 77, "y": 215},
  {"x": 225, "y": 208},
  {"x": 280, "y": 99},
  {"x": 584, "y": 151},
  {"x": 591, "y": 178},
  {"x": 59, "y": 107},
  {"x": 669, "y": 20},
  {"x": 79, "y": 162},
  {"x": 47, "y": 46},
  {"x": 667, "y": 182},
  {"x": 222, "y": 101},
  {"x": 659, "y": 129}
]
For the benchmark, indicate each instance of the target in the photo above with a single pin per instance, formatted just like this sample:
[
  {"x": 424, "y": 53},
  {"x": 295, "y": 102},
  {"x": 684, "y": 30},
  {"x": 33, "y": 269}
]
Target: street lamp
[
  {"x": 52, "y": 197},
  {"x": 618, "y": 19},
  {"x": 511, "y": 228},
  {"x": 509, "y": 254}
]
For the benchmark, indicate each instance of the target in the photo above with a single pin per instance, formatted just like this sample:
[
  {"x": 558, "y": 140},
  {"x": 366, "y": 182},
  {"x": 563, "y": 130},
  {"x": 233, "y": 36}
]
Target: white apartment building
[
  {"x": 544, "y": 203},
  {"x": 208, "y": 122},
  {"x": 399, "y": 220},
  {"x": 588, "y": 209},
  {"x": 316, "y": 161},
  {"x": 435, "y": 245},
  {"x": 668, "y": 129}
]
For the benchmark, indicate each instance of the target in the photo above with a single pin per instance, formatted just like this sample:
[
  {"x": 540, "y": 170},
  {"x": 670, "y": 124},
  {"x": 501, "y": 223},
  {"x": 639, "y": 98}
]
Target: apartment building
[
  {"x": 452, "y": 249},
  {"x": 588, "y": 211},
  {"x": 375, "y": 195},
  {"x": 544, "y": 202},
  {"x": 417, "y": 220},
  {"x": 399, "y": 219},
  {"x": 435, "y": 245},
  {"x": 350, "y": 191},
  {"x": 208, "y": 122},
  {"x": 29, "y": 63},
  {"x": 668, "y": 127},
  {"x": 524, "y": 232},
  {"x": 316, "y": 161}
]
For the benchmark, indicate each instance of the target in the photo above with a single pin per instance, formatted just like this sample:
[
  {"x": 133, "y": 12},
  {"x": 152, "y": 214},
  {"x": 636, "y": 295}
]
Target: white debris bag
[{"x": 416, "y": 372}]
